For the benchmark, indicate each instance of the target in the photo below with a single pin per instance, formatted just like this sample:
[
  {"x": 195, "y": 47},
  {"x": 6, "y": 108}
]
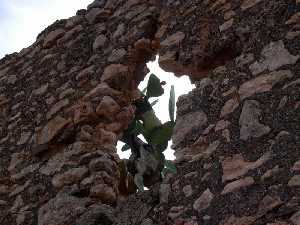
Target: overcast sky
[{"x": 22, "y": 20}]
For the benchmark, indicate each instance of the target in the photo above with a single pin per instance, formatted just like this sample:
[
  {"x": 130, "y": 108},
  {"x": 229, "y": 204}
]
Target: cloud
[{"x": 22, "y": 20}]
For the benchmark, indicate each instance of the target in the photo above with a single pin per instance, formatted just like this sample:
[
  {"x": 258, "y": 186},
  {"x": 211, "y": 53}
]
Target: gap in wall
[{"x": 182, "y": 86}]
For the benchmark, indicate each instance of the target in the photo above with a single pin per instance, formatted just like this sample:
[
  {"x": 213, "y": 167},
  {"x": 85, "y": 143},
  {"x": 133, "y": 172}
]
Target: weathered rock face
[{"x": 238, "y": 161}]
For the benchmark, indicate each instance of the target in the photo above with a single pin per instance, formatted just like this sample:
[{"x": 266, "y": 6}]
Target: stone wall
[{"x": 236, "y": 138}]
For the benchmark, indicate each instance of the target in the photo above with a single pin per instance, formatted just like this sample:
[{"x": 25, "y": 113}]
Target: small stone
[
  {"x": 11, "y": 79},
  {"x": 101, "y": 90},
  {"x": 225, "y": 26},
  {"x": 52, "y": 37},
  {"x": 270, "y": 173},
  {"x": 115, "y": 74},
  {"x": 250, "y": 121},
  {"x": 4, "y": 189},
  {"x": 263, "y": 83},
  {"x": 99, "y": 42},
  {"x": 19, "y": 188},
  {"x": 203, "y": 202},
  {"x": 249, "y": 4},
  {"x": 274, "y": 56},
  {"x": 296, "y": 218},
  {"x": 164, "y": 192},
  {"x": 70, "y": 177},
  {"x": 229, "y": 107},
  {"x": 296, "y": 166},
  {"x": 221, "y": 125},
  {"x": 24, "y": 138},
  {"x": 3, "y": 203},
  {"x": 175, "y": 212},
  {"x": 61, "y": 210},
  {"x": 173, "y": 39},
  {"x": 293, "y": 19},
  {"x": 96, "y": 13},
  {"x": 57, "y": 107},
  {"x": 117, "y": 55},
  {"x": 236, "y": 167},
  {"x": 236, "y": 185},
  {"x": 147, "y": 222},
  {"x": 120, "y": 31},
  {"x": 96, "y": 4},
  {"x": 268, "y": 203},
  {"x": 105, "y": 193},
  {"x": 186, "y": 124},
  {"x": 103, "y": 164},
  {"x": 108, "y": 107},
  {"x": 244, "y": 59},
  {"x": 53, "y": 127},
  {"x": 41, "y": 90},
  {"x": 294, "y": 181},
  {"x": 187, "y": 190},
  {"x": 245, "y": 220}
]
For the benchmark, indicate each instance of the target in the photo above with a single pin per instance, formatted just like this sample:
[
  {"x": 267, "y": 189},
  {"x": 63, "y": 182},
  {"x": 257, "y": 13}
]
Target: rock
[
  {"x": 147, "y": 222},
  {"x": 103, "y": 164},
  {"x": 270, "y": 173},
  {"x": 70, "y": 177},
  {"x": 117, "y": 55},
  {"x": 96, "y": 4},
  {"x": 268, "y": 203},
  {"x": 263, "y": 83},
  {"x": 246, "y": 4},
  {"x": 249, "y": 121},
  {"x": 236, "y": 185},
  {"x": 294, "y": 181},
  {"x": 4, "y": 189},
  {"x": 245, "y": 220},
  {"x": 3, "y": 203},
  {"x": 99, "y": 42},
  {"x": 96, "y": 13},
  {"x": 203, "y": 202},
  {"x": 96, "y": 213},
  {"x": 101, "y": 90},
  {"x": 104, "y": 137},
  {"x": 187, "y": 190},
  {"x": 164, "y": 192},
  {"x": 225, "y": 26},
  {"x": 61, "y": 210},
  {"x": 296, "y": 218},
  {"x": 19, "y": 188},
  {"x": 108, "y": 107},
  {"x": 52, "y": 37},
  {"x": 104, "y": 192},
  {"x": 120, "y": 31},
  {"x": 229, "y": 107},
  {"x": 24, "y": 172},
  {"x": 296, "y": 166},
  {"x": 53, "y": 127},
  {"x": 175, "y": 212},
  {"x": 173, "y": 39},
  {"x": 24, "y": 138},
  {"x": 11, "y": 79},
  {"x": 222, "y": 125},
  {"x": 274, "y": 56},
  {"x": 114, "y": 74},
  {"x": 57, "y": 107},
  {"x": 235, "y": 167},
  {"x": 186, "y": 124}
]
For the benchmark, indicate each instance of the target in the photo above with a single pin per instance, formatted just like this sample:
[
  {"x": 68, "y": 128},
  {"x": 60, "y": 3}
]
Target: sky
[{"x": 22, "y": 20}]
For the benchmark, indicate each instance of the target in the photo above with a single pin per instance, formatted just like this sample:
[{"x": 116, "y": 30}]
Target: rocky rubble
[{"x": 236, "y": 139}]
